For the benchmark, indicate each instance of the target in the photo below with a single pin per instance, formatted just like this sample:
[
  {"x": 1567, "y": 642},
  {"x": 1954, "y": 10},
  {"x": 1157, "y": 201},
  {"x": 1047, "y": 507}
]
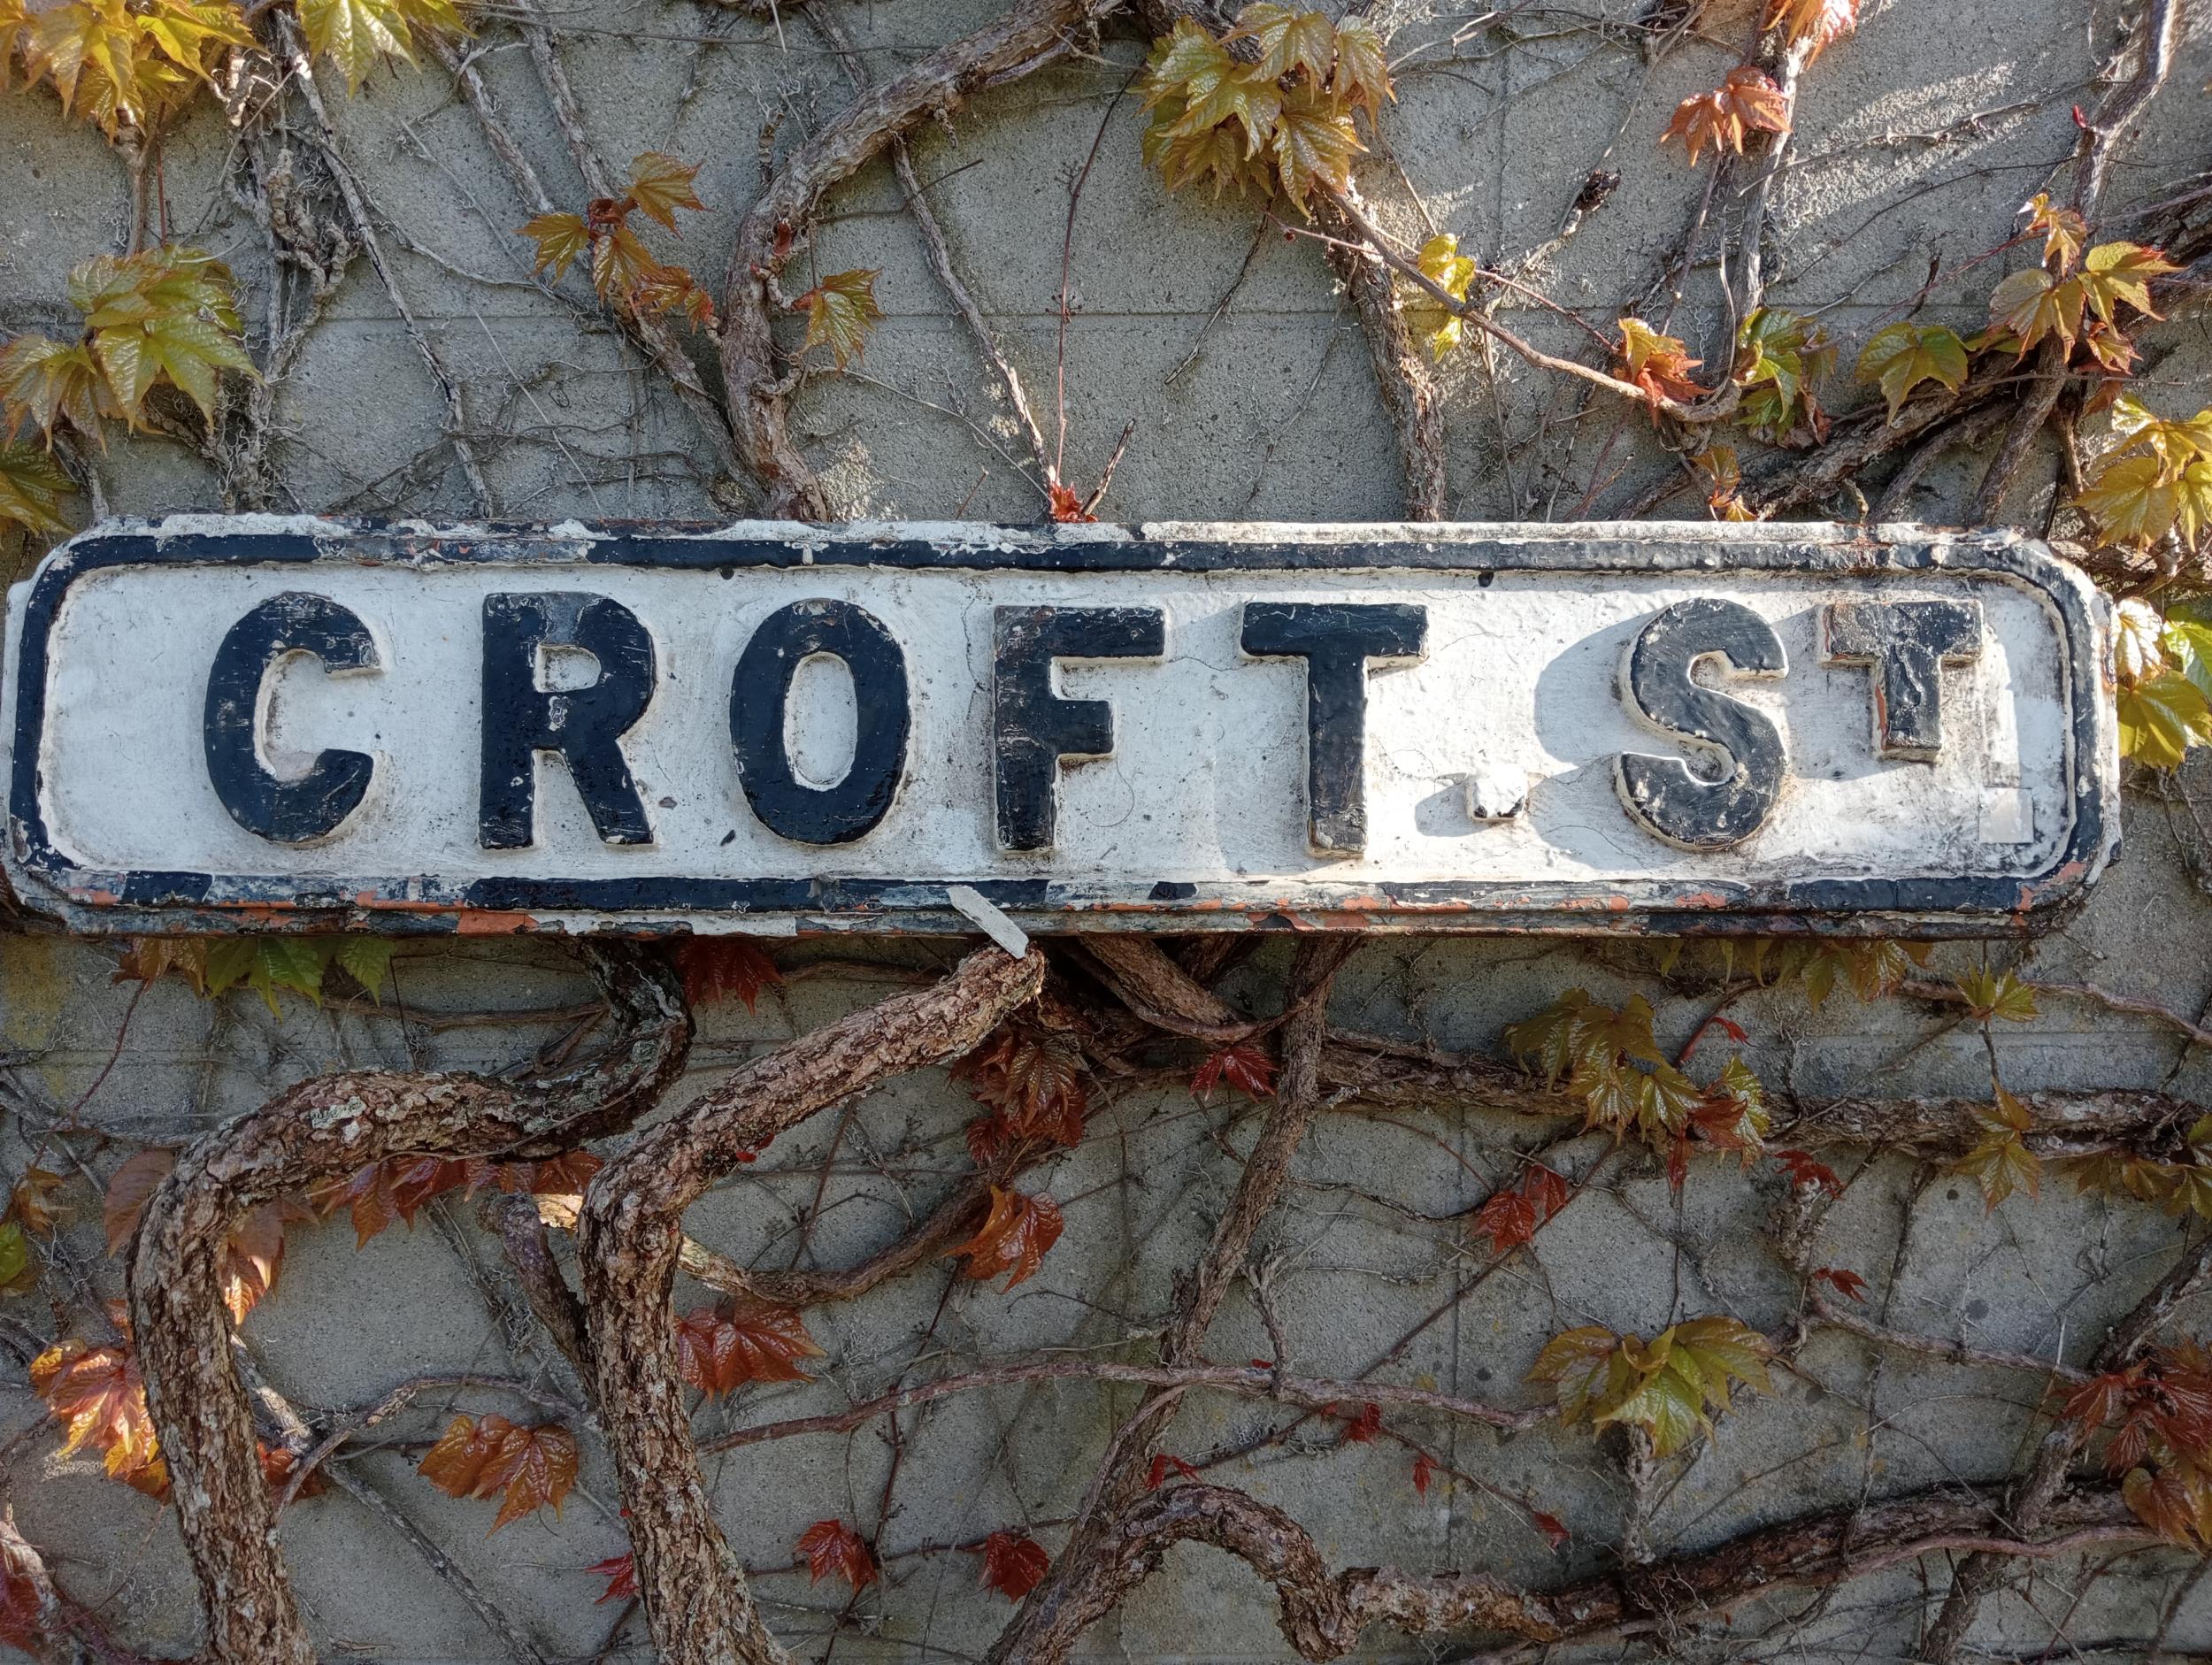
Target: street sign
[{"x": 258, "y": 723}]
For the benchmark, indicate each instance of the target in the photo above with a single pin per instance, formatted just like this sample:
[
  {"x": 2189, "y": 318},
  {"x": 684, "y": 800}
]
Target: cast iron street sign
[{"x": 248, "y": 722}]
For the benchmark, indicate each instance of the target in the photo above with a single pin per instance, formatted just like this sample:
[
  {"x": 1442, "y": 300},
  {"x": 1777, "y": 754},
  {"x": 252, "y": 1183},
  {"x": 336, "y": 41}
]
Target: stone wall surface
[{"x": 1218, "y": 335}]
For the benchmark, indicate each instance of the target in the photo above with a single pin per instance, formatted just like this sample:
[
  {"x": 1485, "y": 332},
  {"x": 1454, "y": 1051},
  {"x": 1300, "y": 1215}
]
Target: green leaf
[
  {"x": 1903, "y": 355},
  {"x": 367, "y": 959},
  {"x": 15, "y": 1254},
  {"x": 266, "y": 964},
  {"x": 1287, "y": 40},
  {"x": 32, "y": 486},
  {"x": 356, "y": 34},
  {"x": 1997, "y": 995},
  {"x": 2161, "y": 718}
]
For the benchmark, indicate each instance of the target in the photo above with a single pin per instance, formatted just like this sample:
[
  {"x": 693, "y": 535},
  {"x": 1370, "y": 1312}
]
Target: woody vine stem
[{"x": 1278, "y": 104}]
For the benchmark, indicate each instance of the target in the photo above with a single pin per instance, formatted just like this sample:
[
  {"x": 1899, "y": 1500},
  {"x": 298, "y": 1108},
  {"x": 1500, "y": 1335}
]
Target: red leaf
[
  {"x": 1013, "y": 1564},
  {"x": 717, "y": 969},
  {"x": 620, "y": 1572},
  {"x": 1162, "y": 1461},
  {"x": 1362, "y": 1428},
  {"x": 1013, "y": 1237},
  {"x": 1733, "y": 1030},
  {"x": 99, "y": 1398},
  {"x": 393, "y": 1189},
  {"x": 989, "y": 1136},
  {"x": 1554, "y": 1529},
  {"x": 831, "y": 1546},
  {"x": 1805, "y": 1172},
  {"x": 1033, "y": 1077},
  {"x": 22, "y": 1611},
  {"x": 1066, "y": 506},
  {"x": 726, "y": 1345},
  {"x": 1508, "y": 1219},
  {"x": 1424, "y": 1471},
  {"x": 1244, "y": 1067},
  {"x": 1677, "y": 1164},
  {"x": 1847, "y": 1284}
]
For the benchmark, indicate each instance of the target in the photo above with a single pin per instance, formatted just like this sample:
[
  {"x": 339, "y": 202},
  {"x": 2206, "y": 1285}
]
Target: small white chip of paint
[{"x": 971, "y": 904}]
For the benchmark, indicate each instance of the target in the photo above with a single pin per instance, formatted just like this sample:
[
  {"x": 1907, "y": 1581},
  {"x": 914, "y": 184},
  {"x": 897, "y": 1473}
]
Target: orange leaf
[
  {"x": 1067, "y": 507},
  {"x": 719, "y": 1349},
  {"x": 1814, "y": 23},
  {"x": 1747, "y": 101},
  {"x": 533, "y": 1467},
  {"x": 1013, "y": 1237},
  {"x": 393, "y": 1189},
  {"x": 129, "y": 1189},
  {"x": 1013, "y": 1564},
  {"x": 99, "y": 1396},
  {"x": 1659, "y": 365},
  {"x": 831, "y": 1546}
]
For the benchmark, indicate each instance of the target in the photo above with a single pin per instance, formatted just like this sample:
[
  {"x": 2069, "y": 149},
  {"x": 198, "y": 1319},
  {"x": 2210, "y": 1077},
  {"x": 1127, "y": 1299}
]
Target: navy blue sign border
[{"x": 184, "y": 901}]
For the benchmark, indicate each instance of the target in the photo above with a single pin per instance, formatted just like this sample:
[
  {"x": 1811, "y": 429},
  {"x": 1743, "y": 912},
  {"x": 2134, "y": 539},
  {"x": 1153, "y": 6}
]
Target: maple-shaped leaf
[
  {"x": 1220, "y": 154},
  {"x": 31, "y": 1203},
  {"x": 2161, "y": 718},
  {"x": 562, "y": 240},
  {"x": 2064, "y": 231},
  {"x": 563, "y": 1176},
  {"x": 2174, "y": 1502},
  {"x": 1014, "y": 1236},
  {"x": 1780, "y": 356},
  {"x": 1579, "y": 1365},
  {"x": 722, "y": 1347},
  {"x": 1611, "y": 1062},
  {"x": 146, "y": 959},
  {"x": 1184, "y": 64},
  {"x": 265, "y": 965},
  {"x": 1680, "y": 1377},
  {"x": 721, "y": 968},
  {"x": 1902, "y": 355},
  {"x": 99, "y": 1398},
  {"x": 1065, "y": 505},
  {"x": 620, "y": 1572},
  {"x": 989, "y": 1138},
  {"x": 1846, "y": 1282},
  {"x": 1747, "y": 101},
  {"x": 1361, "y": 1430},
  {"x": 1814, "y": 25},
  {"x": 2134, "y": 500},
  {"x": 1805, "y": 1173},
  {"x": 355, "y": 35},
  {"x": 2001, "y": 1161},
  {"x": 840, "y": 310},
  {"x": 1658, "y": 365},
  {"x": 1013, "y": 1563},
  {"x": 1361, "y": 78},
  {"x": 128, "y": 1189},
  {"x": 1424, "y": 1472},
  {"x": 2031, "y": 306},
  {"x": 1512, "y": 1215},
  {"x": 1872, "y": 970},
  {"x": 1243, "y": 96},
  {"x": 383, "y": 1192},
  {"x": 167, "y": 314},
  {"x": 527, "y": 1469},
  {"x": 1733, "y": 1115},
  {"x": 660, "y": 184},
  {"x": 45, "y": 383},
  {"x": 122, "y": 65},
  {"x": 833, "y": 1548},
  {"x": 367, "y": 959},
  {"x": 2114, "y": 274},
  {"x": 32, "y": 486},
  {"x": 1287, "y": 40},
  {"x": 1997, "y": 994},
  {"x": 1033, "y": 1077},
  {"x": 1243, "y": 1066},
  {"x": 1313, "y": 145},
  {"x": 253, "y": 1253}
]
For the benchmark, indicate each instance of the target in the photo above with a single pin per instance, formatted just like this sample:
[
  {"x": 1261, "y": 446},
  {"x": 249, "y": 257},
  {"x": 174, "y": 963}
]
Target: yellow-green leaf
[
  {"x": 2117, "y": 272},
  {"x": 562, "y": 240},
  {"x": 1361, "y": 78},
  {"x": 1314, "y": 144},
  {"x": 2160, "y": 720},
  {"x": 1287, "y": 40},
  {"x": 32, "y": 486},
  {"x": 1903, "y": 355},
  {"x": 1997, "y": 994},
  {"x": 840, "y": 311}
]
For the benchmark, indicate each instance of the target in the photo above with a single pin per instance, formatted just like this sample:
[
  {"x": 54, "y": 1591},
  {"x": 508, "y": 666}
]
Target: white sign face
[{"x": 247, "y": 723}]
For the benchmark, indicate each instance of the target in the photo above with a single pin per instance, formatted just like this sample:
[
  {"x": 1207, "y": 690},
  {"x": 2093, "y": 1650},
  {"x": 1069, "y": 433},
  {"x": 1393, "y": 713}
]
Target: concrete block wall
[{"x": 1224, "y": 342}]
